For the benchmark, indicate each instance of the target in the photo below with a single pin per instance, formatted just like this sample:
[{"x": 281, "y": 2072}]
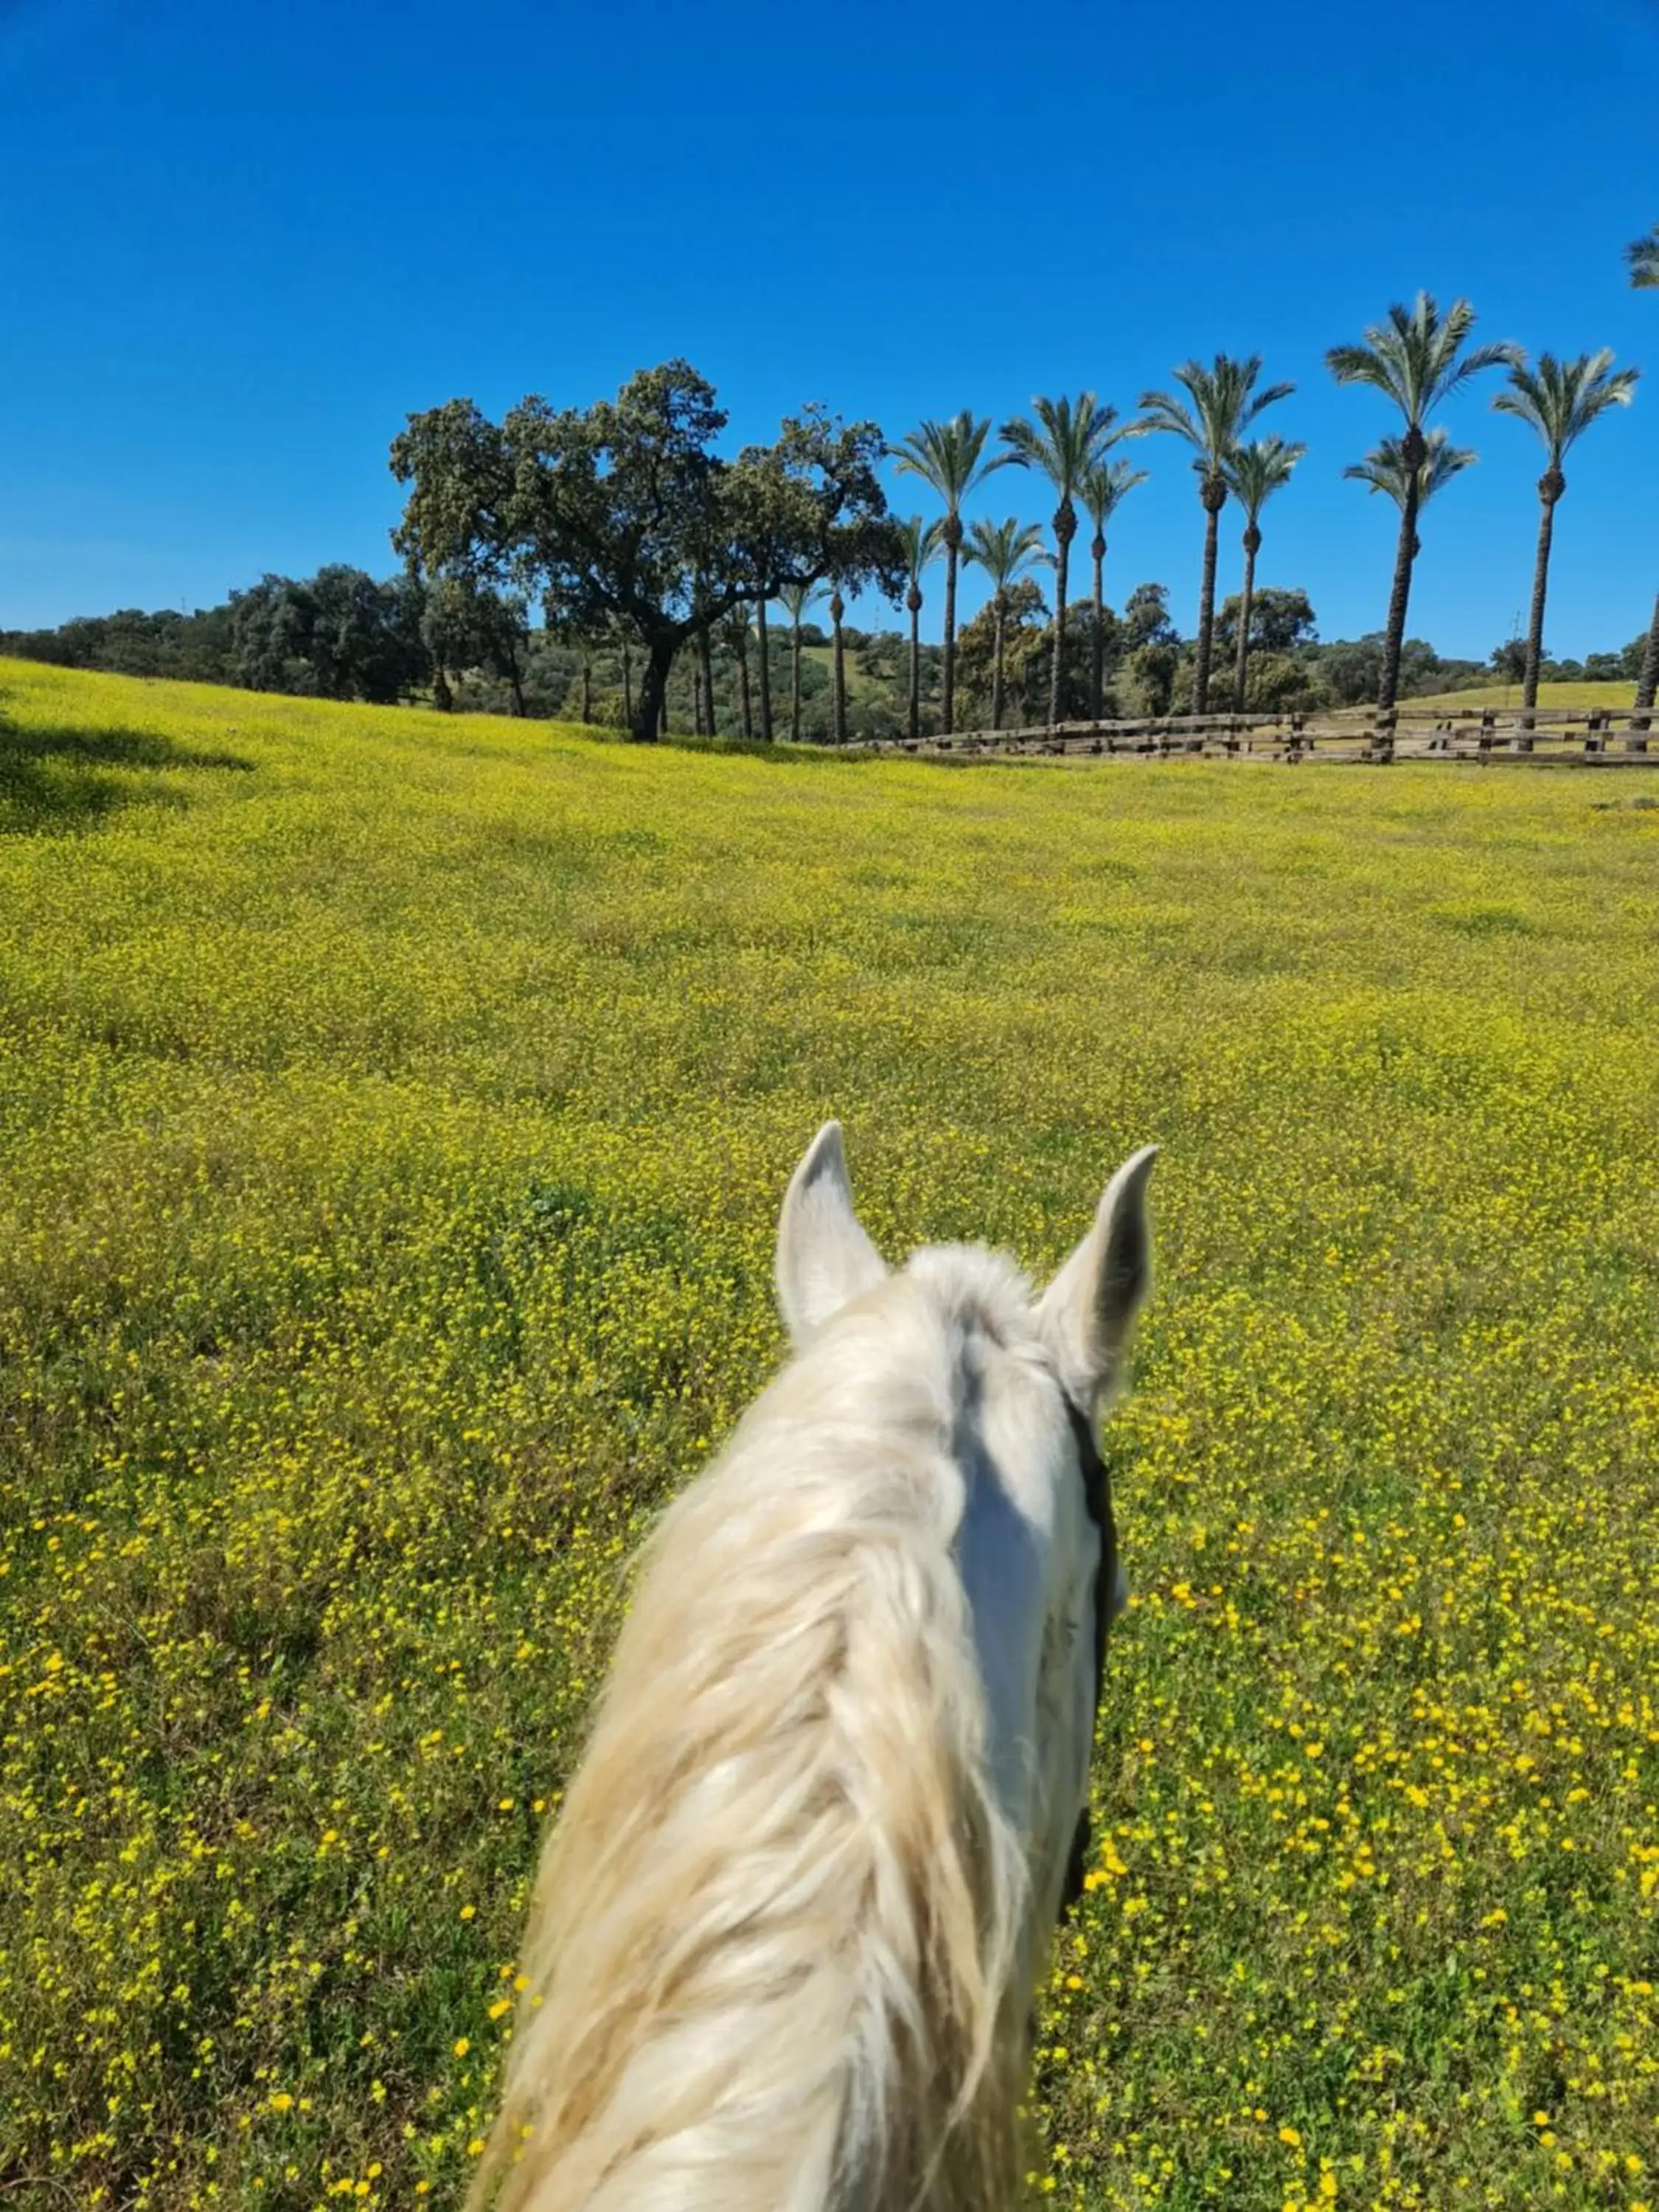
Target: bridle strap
[{"x": 1097, "y": 1498}]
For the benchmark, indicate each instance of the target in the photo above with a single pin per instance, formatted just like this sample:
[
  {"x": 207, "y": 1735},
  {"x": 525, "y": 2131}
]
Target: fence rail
[{"x": 1594, "y": 737}]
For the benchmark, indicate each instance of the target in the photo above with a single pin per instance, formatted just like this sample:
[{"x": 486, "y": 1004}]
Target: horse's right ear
[
  {"x": 825, "y": 1258},
  {"x": 1088, "y": 1310}
]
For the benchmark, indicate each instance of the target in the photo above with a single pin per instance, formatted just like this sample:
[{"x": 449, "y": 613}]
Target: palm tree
[
  {"x": 1560, "y": 399},
  {"x": 838, "y": 666},
  {"x": 920, "y": 541},
  {"x": 796, "y": 600},
  {"x": 1103, "y": 491},
  {"x": 1413, "y": 358},
  {"x": 1255, "y": 473},
  {"x": 1643, "y": 255},
  {"x": 1003, "y": 549},
  {"x": 1225, "y": 402},
  {"x": 705, "y": 678},
  {"x": 735, "y": 631},
  {"x": 1064, "y": 443},
  {"x": 764, "y": 662},
  {"x": 1385, "y": 471},
  {"x": 948, "y": 457}
]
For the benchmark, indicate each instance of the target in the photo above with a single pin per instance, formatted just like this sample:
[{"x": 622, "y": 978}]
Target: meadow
[
  {"x": 394, "y": 1110},
  {"x": 1610, "y": 698}
]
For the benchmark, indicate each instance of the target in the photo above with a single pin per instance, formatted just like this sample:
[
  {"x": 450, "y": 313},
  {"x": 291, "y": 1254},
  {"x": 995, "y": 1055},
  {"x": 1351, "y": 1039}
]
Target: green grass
[
  {"x": 394, "y": 1110},
  {"x": 1616, "y": 696}
]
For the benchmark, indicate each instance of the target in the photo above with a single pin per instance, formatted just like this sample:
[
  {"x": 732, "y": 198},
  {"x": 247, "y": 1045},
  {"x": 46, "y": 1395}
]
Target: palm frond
[
  {"x": 1561, "y": 398},
  {"x": 921, "y": 541},
  {"x": 1105, "y": 487},
  {"x": 1254, "y": 472},
  {"x": 1063, "y": 440},
  {"x": 797, "y": 599},
  {"x": 1642, "y": 256},
  {"x": 1415, "y": 356},
  {"x": 1223, "y": 402},
  {"x": 1003, "y": 549},
  {"x": 1384, "y": 468},
  {"x": 949, "y": 458}
]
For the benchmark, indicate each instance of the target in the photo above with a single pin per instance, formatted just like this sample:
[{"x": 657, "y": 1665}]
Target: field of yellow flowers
[{"x": 393, "y": 1114}]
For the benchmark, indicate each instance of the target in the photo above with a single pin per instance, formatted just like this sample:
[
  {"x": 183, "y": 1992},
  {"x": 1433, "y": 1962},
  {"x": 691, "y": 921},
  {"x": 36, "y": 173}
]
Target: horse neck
[{"x": 774, "y": 1940}]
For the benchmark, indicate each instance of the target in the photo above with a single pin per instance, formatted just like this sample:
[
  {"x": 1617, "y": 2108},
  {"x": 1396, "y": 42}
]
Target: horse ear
[
  {"x": 825, "y": 1258},
  {"x": 1089, "y": 1308}
]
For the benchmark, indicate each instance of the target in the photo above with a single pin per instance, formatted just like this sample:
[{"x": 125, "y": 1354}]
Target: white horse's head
[
  {"x": 788, "y": 1927},
  {"x": 1036, "y": 1540}
]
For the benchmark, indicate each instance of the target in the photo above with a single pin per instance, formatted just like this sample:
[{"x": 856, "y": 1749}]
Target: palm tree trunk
[
  {"x": 1252, "y": 544},
  {"x": 996, "y": 678},
  {"x": 794, "y": 682},
  {"x": 765, "y": 672},
  {"x": 1065, "y": 523},
  {"x": 1097, "y": 656},
  {"x": 915, "y": 664},
  {"x": 1412, "y": 447},
  {"x": 1540, "y": 584},
  {"x": 1207, "y": 608},
  {"x": 952, "y": 538},
  {"x": 743, "y": 680},
  {"x": 839, "y": 726},
  {"x": 1648, "y": 683}
]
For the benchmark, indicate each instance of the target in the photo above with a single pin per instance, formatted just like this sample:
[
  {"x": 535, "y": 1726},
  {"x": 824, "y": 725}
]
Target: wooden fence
[{"x": 1597, "y": 737}]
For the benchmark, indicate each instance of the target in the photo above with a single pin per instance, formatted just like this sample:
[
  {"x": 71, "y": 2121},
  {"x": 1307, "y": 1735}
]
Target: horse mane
[{"x": 775, "y": 1946}]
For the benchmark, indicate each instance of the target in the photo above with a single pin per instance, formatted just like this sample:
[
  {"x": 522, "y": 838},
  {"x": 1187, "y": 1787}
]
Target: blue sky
[{"x": 238, "y": 245}]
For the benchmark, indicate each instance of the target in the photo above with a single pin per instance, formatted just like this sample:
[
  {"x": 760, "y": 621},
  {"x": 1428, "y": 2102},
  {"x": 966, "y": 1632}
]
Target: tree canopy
[{"x": 625, "y": 513}]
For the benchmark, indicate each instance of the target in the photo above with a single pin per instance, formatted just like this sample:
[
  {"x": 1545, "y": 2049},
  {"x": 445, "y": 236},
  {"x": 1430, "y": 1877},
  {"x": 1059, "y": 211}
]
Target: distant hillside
[{"x": 1616, "y": 696}]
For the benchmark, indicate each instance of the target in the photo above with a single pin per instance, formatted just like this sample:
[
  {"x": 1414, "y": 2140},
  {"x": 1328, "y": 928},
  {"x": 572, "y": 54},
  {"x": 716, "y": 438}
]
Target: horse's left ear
[
  {"x": 1089, "y": 1308},
  {"x": 825, "y": 1258}
]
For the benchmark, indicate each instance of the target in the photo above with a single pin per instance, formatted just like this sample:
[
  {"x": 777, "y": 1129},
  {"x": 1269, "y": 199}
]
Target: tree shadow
[{"x": 57, "y": 779}]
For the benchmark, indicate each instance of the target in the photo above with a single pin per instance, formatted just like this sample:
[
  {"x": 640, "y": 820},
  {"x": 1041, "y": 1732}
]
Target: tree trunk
[
  {"x": 627, "y": 685},
  {"x": 517, "y": 684},
  {"x": 587, "y": 690},
  {"x": 913, "y": 600},
  {"x": 951, "y": 533},
  {"x": 1065, "y": 526},
  {"x": 996, "y": 675},
  {"x": 794, "y": 684},
  {"x": 1214, "y": 493},
  {"x": 1097, "y": 657},
  {"x": 442, "y": 697},
  {"x": 765, "y": 654},
  {"x": 1252, "y": 547},
  {"x": 1551, "y": 485},
  {"x": 748, "y": 719},
  {"x": 654, "y": 691},
  {"x": 837, "y": 609},
  {"x": 1413, "y": 448},
  {"x": 706, "y": 681},
  {"x": 1648, "y": 683}
]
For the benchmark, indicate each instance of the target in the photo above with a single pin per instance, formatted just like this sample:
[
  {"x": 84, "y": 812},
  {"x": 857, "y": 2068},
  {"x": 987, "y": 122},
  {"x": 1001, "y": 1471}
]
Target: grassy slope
[
  {"x": 394, "y": 1113},
  {"x": 1618, "y": 696}
]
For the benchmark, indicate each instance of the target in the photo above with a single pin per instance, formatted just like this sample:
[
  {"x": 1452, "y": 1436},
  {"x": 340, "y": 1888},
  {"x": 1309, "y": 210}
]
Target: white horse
[{"x": 788, "y": 1924}]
